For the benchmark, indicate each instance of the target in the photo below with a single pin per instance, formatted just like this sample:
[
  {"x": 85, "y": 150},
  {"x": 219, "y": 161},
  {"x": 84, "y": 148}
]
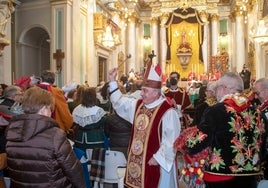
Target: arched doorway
[{"x": 33, "y": 52}]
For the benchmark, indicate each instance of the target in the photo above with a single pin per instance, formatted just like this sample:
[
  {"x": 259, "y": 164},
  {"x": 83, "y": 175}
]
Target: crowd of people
[{"x": 223, "y": 141}]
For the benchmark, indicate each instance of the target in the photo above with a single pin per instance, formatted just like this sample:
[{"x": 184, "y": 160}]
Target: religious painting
[{"x": 218, "y": 64}]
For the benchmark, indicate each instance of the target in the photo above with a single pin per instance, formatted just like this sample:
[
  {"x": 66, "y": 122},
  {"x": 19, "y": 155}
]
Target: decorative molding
[
  {"x": 163, "y": 19},
  {"x": 204, "y": 16},
  {"x": 214, "y": 17},
  {"x": 155, "y": 21}
]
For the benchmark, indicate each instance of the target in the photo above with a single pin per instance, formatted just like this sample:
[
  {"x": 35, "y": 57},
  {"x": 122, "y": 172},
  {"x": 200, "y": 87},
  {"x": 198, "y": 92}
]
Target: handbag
[
  {"x": 3, "y": 161},
  {"x": 72, "y": 132}
]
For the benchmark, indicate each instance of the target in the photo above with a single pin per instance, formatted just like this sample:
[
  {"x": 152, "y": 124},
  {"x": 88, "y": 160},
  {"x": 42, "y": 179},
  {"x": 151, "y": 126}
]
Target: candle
[{"x": 198, "y": 71}]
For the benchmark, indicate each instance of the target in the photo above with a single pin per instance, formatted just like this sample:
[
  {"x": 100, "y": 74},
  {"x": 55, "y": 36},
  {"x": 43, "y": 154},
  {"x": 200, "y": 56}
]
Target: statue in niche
[
  {"x": 184, "y": 51},
  {"x": 6, "y": 9},
  {"x": 184, "y": 46},
  {"x": 183, "y": 36}
]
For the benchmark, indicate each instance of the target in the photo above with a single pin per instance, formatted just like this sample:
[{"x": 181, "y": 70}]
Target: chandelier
[
  {"x": 108, "y": 39},
  {"x": 106, "y": 32}
]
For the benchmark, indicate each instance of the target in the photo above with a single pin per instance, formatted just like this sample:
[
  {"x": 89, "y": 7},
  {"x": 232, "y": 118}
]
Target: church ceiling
[
  {"x": 157, "y": 7},
  {"x": 147, "y": 3}
]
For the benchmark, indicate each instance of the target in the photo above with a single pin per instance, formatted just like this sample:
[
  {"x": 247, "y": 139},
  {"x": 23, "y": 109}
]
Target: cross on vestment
[{"x": 59, "y": 55}]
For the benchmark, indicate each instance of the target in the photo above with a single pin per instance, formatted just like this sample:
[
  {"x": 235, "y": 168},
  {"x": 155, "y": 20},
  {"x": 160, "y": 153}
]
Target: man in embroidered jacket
[
  {"x": 156, "y": 125},
  {"x": 260, "y": 89},
  {"x": 233, "y": 130}
]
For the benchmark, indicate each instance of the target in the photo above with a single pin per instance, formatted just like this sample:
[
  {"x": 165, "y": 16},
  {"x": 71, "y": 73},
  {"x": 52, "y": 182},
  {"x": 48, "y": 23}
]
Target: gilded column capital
[
  {"x": 132, "y": 18},
  {"x": 232, "y": 17},
  {"x": 137, "y": 22},
  {"x": 154, "y": 20},
  {"x": 203, "y": 15},
  {"x": 238, "y": 11},
  {"x": 163, "y": 19},
  {"x": 214, "y": 17}
]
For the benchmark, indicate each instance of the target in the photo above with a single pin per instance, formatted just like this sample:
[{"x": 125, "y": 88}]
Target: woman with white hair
[{"x": 209, "y": 101}]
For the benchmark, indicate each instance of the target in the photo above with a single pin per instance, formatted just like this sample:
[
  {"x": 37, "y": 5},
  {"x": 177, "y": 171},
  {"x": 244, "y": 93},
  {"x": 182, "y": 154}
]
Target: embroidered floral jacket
[
  {"x": 264, "y": 111},
  {"x": 233, "y": 131}
]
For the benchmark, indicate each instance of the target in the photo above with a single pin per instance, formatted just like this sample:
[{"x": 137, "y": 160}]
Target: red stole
[
  {"x": 181, "y": 98},
  {"x": 145, "y": 141}
]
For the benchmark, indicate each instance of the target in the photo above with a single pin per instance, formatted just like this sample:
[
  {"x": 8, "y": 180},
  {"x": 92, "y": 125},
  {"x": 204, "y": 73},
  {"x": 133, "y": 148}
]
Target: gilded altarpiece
[
  {"x": 184, "y": 26},
  {"x": 189, "y": 31}
]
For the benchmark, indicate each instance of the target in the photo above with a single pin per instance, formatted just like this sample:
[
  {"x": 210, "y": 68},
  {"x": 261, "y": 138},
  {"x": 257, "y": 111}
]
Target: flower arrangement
[{"x": 192, "y": 169}]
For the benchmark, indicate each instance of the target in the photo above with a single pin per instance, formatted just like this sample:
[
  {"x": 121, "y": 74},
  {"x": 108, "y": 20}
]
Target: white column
[
  {"x": 258, "y": 63},
  {"x": 261, "y": 60},
  {"x": 205, "y": 46},
  {"x": 232, "y": 54},
  {"x": 205, "y": 49},
  {"x": 163, "y": 43},
  {"x": 240, "y": 41},
  {"x": 138, "y": 47},
  {"x": 155, "y": 37},
  {"x": 91, "y": 67},
  {"x": 214, "y": 34},
  {"x": 131, "y": 49}
]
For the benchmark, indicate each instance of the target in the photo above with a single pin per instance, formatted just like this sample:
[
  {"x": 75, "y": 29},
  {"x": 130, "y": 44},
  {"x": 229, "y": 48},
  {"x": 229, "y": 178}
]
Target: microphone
[{"x": 127, "y": 57}]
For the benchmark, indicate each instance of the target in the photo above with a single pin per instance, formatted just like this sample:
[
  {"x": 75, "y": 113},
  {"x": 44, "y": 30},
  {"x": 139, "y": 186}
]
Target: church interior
[{"x": 82, "y": 39}]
